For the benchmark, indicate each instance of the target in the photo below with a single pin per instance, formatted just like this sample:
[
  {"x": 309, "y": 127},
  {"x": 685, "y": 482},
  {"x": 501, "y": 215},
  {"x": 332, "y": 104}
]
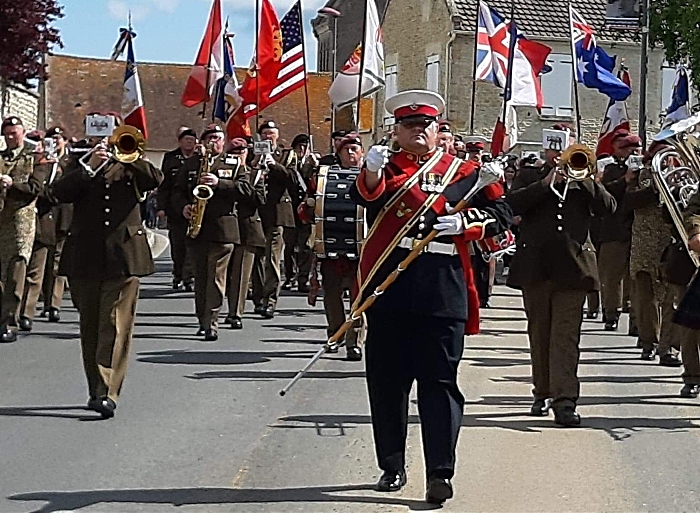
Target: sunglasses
[{"x": 416, "y": 122}]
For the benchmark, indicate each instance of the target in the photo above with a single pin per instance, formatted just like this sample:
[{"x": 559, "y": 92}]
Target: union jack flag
[
  {"x": 492, "y": 46},
  {"x": 582, "y": 32}
]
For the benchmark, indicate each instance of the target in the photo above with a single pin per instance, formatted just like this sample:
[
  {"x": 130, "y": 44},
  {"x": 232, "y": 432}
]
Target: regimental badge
[
  {"x": 403, "y": 210},
  {"x": 225, "y": 173}
]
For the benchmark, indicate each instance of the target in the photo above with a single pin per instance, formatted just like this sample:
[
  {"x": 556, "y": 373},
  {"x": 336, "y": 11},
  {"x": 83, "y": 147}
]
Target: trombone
[{"x": 126, "y": 145}]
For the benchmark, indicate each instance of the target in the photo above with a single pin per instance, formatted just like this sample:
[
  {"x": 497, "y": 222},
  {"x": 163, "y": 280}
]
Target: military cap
[
  {"x": 55, "y": 130},
  {"x": 267, "y": 125},
  {"x": 351, "y": 138},
  {"x": 339, "y": 133},
  {"x": 238, "y": 145},
  {"x": 300, "y": 139},
  {"x": 185, "y": 132},
  {"x": 212, "y": 128},
  {"x": 444, "y": 127},
  {"x": 415, "y": 102},
  {"x": 35, "y": 135},
  {"x": 475, "y": 143},
  {"x": 11, "y": 121},
  {"x": 629, "y": 141}
]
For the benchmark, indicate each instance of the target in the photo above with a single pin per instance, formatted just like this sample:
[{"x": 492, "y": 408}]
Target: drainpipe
[{"x": 448, "y": 70}]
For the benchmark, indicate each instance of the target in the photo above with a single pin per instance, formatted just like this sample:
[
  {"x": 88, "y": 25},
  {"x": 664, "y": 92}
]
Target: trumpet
[
  {"x": 202, "y": 193},
  {"x": 126, "y": 145},
  {"x": 577, "y": 163}
]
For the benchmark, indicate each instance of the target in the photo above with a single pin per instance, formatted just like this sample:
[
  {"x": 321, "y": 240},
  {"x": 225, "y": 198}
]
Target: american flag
[{"x": 293, "y": 72}]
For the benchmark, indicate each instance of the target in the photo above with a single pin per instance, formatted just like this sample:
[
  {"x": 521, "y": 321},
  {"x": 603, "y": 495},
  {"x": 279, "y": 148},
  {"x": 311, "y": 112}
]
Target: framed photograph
[
  {"x": 262, "y": 147},
  {"x": 622, "y": 14}
]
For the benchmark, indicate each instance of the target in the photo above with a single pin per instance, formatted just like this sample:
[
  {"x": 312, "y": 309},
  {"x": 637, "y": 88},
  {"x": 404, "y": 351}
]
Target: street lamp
[{"x": 333, "y": 14}]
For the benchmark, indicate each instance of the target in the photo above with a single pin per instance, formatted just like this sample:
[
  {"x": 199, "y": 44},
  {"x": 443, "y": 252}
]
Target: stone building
[
  {"x": 430, "y": 44},
  {"x": 19, "y": 101}
]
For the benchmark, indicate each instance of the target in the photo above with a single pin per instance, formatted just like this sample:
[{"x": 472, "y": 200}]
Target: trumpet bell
[
  {"x": 578, "y": 162},
  {"x": 128, "y": 143}
]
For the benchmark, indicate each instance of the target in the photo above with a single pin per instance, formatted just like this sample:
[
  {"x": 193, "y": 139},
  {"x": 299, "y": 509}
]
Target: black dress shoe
[
  {"x": 353, "y": 354},
  {"x": 649, "y": 354},
  {"x": 438, "y": 490},
  {"x": 269, "y": 312},
  {"x": 259, "y": 309},
  {"x": 670, "y": 360},
  {"x": 287, "y": 285},
  {"x": 177, "y": 284},
  {"x": 303, "y": 288},
  {"x": 105, "y": 406},
  {"x": 200, "y": 331},
  {"x": 567, "y": 417},
  {"x": 8, "y": 336},
  {"x": 236, "y": 323},
  {"x": 189, "y": 286},
  {"x": 211, "y": 335},
  {"x": 44, "y": 312},
  {"x": 54, "y": 314},
  {"x": 25, "y": 324},
  {"x": 333, "y": 349},
  {"x": 540, "y": 408},
  {"x": 591, "y": 315},
  {"x": 611, "y": 325},
  {"x": 93, "y": 404},
  {"x": 690, "y": 391},
  {"x": 391, "y": 481}
]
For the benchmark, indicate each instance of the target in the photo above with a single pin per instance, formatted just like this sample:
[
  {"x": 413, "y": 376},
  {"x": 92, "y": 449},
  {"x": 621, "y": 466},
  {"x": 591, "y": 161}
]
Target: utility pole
[{"x": 644, "y": 72}]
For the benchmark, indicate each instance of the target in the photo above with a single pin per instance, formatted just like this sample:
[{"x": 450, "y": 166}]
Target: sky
[{"x": 167, "y": 30}]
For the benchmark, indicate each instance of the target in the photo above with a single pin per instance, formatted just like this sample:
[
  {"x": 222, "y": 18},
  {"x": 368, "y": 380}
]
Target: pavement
[{"x": 201, "y": 427}]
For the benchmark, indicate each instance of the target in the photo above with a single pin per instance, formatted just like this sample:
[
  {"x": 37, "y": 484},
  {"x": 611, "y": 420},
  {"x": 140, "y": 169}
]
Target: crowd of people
[{"x": 248, "y": 218}]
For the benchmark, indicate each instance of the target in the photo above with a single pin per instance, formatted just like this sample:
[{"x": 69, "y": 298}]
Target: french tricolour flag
[{"x": 133, "y": 111}]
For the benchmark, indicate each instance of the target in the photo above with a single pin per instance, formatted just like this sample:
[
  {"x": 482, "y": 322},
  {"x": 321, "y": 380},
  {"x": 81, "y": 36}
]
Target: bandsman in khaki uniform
[
  {"x": 277, "y": 214},
  {"x": 19, "y": 189},
  {"x": 212, "y": 248},
  {"x": 252, "y": 240},
  {"x": 105, "y": 256},
  {"x": 555, "y": 267}
]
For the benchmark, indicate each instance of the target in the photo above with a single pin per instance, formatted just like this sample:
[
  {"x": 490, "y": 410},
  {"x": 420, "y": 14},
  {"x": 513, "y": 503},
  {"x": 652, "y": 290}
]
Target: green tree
[
  {"x": 675, "y": 24},
  {"x": 26, "y": 35}
]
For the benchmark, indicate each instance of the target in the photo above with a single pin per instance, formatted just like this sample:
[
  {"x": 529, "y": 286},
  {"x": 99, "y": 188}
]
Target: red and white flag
[
  {"x": 616, "y": 118},
  {"x": 209, "y": 65},
  {"x": 133, "y": 110}
]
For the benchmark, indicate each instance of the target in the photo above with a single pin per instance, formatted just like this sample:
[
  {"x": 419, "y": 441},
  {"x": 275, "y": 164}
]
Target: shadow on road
[
  {"x": 185, "y": 357},
  {"x": 56, "y": 412},
  {"x": 70, "y": 501},
  {"x": 273, "y": 375}
]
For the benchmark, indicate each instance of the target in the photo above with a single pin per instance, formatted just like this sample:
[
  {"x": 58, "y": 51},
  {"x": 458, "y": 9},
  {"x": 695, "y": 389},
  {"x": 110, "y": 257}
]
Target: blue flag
[
  {"x": 678, "y": 109},
  {"x": 221, "y": 104}
]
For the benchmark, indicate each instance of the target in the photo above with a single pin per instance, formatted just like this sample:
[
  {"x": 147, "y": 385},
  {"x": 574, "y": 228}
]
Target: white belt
[{"x": 439, "y": 248}]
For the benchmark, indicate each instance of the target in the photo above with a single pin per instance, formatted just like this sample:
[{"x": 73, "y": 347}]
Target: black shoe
[
  {"x": 200, "y": 331},
  {"x": 632, "y": 331},
  {"x": 249, "y": 295},
  {"x": 93, "y": 404},
  {"x": 235, "y": 322},
  {"x": 54, "y": 314},
  {"x": 44, "y": 312},
  {"x": 353, "y": 354},
  {"x": 25, "y": 324},
  {"x": 649, "y": 354},
  {"x": 438, "y": 490},
  {"x": 287, "y": 285},
  {"x": 611, "y": 325},
  {"x": 690, "y": 391},
  {"x": 540, "y": 408},
  {"x": 567, "y": 417},
  {"x": 591, "y": 315},
  {"x": 177, "y": 284},
  {"x": 333, "y": 349},
  {"x": 303, "y": 288},
  {"x": 8, "y": 336},
  {"x": 269, "y": 312},
  {"x": 485, "y": 304},
  {"x": 259, "y": 309},
  {"x": 670, "y": 360},
  {"x": 189, "y": 286},
  {"x": 105, "y": 406},
  {"x": 211, "y": 335},
  {"x": 627, "y": 307},
  {"x": 391, "y": 481}
]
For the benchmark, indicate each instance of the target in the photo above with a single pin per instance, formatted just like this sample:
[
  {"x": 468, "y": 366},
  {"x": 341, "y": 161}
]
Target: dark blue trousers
[{"x": 402, "y": 348}]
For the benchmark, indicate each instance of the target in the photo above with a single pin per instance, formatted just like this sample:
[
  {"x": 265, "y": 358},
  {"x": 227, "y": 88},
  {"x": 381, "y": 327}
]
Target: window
[
  {"x": 432, "y": 73},
  {"x": 390, "y": 89},
  {"x": 556, "y": 87}
]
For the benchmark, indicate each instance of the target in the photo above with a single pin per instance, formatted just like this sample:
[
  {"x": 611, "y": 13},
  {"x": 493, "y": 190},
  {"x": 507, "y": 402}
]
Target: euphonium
[
  {"x": 577, "y": 162},
  {"x": 202, "y": 194},
  {"x": 676, "y": 171}
]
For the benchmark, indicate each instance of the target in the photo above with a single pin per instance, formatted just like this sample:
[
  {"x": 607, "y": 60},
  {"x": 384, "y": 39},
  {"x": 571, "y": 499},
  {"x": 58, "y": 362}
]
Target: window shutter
[
  {"x": 557, "y": 87},
  {"x": 432, "y": 72}
]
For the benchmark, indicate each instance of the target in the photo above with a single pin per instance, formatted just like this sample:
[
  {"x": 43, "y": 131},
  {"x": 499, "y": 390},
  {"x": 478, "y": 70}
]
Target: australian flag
[{"x": 594, "y": 67}]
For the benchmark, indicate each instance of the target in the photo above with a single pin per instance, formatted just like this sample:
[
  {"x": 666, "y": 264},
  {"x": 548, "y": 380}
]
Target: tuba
[
  {"x": 676, "y": 171},
  {"x": 202, "y": 193},
  {"x": 126, "y": 145}
]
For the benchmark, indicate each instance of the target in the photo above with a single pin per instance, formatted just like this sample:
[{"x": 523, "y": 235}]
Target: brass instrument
[
  {"x": 676, "y": 171},
  {"x": 202, "y": 193},
  {"x": 578, "y": 162},
  {"x": 126, "y": 145}
]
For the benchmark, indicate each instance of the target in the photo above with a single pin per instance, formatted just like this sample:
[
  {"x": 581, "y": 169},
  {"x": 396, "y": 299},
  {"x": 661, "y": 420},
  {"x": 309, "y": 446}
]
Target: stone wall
[{"x": 19, "y": 101}]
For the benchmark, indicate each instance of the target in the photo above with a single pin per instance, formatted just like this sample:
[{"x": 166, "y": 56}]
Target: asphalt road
[{"x": 201, "y": 427}]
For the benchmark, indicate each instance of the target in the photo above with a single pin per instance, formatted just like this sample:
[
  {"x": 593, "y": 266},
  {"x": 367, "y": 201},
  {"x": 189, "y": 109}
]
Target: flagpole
[
  {"x": 644, "y": 71},
  {"x": 574, "y": 74},
  {"x": 306, "y": 78},
  {"x": 507, "y": 91},
  {"x": 206, "y": 86},
  {"x": 476, "y": 56},
  {"x": 257, "y": 70},
  {"x": 362, "y": 65}
]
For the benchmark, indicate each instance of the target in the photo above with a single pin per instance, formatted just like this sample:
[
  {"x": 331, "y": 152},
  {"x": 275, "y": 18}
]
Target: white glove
[
  {"x": 376, "y": 158},
  {"x": 269, "y": 159},
  {"x": 452, "y": 224}
]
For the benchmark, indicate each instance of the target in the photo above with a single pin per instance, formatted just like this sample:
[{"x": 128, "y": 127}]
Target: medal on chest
[{"x": 431, "y": 182}]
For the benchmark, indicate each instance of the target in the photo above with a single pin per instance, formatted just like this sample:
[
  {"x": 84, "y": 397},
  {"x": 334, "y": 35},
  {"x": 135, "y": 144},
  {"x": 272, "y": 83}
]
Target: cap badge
[{"x": 414, "y": 107}]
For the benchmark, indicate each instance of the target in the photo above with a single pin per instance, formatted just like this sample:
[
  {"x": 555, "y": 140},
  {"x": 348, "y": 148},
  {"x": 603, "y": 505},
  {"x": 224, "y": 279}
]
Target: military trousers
[
  {"x": 671, "y": 333},
  {"x": 336, "y": 279},
  {"x": 35, "y": 275},
  {"x": 613, "y": 267},
  {"x": 648, "y": 308},
  {"x": 268, "y": 294},
  {"x": 402, "y": 348},
  {"x": 211, "y": 261},
  {"x": 107, "y": 316},
  {"x": 482, "y": 272},
  {"x": 13, "y": 272},
  {"x": 54, "y": 285},
  {"x": 554, "y": 318},
  {"x": 297, "y": 253},
  {"x": 180, "y": 252},
  {"x": 240, "y": 270},
  {"x": 690, "y": 354},
  {"x": 592, "y": 301}
]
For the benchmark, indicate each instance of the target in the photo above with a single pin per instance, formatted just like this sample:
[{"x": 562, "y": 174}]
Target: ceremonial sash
[{"x": 399, "y": 216}]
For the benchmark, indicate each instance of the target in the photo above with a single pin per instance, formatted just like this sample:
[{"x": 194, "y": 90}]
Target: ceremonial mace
[{"x": 490, "y": 173}]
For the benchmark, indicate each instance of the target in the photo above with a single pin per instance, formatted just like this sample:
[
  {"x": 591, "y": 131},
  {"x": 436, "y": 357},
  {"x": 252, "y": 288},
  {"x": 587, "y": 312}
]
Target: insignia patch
[
  {"x": 225, "y": 173},
  {"x": 231, "y": 161}
]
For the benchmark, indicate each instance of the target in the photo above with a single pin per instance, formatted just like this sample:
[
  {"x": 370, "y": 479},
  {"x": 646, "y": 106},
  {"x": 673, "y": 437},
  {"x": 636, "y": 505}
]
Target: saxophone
[{"x": 202, "y": 194}]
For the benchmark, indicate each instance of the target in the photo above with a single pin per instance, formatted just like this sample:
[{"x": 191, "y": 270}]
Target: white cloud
[{"x": 119, "y": 9}]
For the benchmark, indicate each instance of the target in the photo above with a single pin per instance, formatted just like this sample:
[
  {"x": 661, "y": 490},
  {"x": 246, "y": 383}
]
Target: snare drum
[{"x": 339, "y": 221}]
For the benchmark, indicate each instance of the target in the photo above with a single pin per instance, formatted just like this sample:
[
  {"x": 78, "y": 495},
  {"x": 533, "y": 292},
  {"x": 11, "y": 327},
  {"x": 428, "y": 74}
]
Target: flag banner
[
  {"x": 616, "y": 118},
  {"x": 208, "y": 66},
  {"x": 505, "y": 134},
  {"x": 527, "y": 62},
  {"x": 343, "y": 91},
  {"x": 594, "y": 67},
  {"x": 680, "y": 102},
  {"x": 133, "y": 111}
]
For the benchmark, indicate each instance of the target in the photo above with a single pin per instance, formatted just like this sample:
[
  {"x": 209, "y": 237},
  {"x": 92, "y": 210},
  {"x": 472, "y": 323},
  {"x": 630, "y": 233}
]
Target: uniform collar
[
  {"x": 12, "y": 154},
  {"x": 407, "y": 156}
]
